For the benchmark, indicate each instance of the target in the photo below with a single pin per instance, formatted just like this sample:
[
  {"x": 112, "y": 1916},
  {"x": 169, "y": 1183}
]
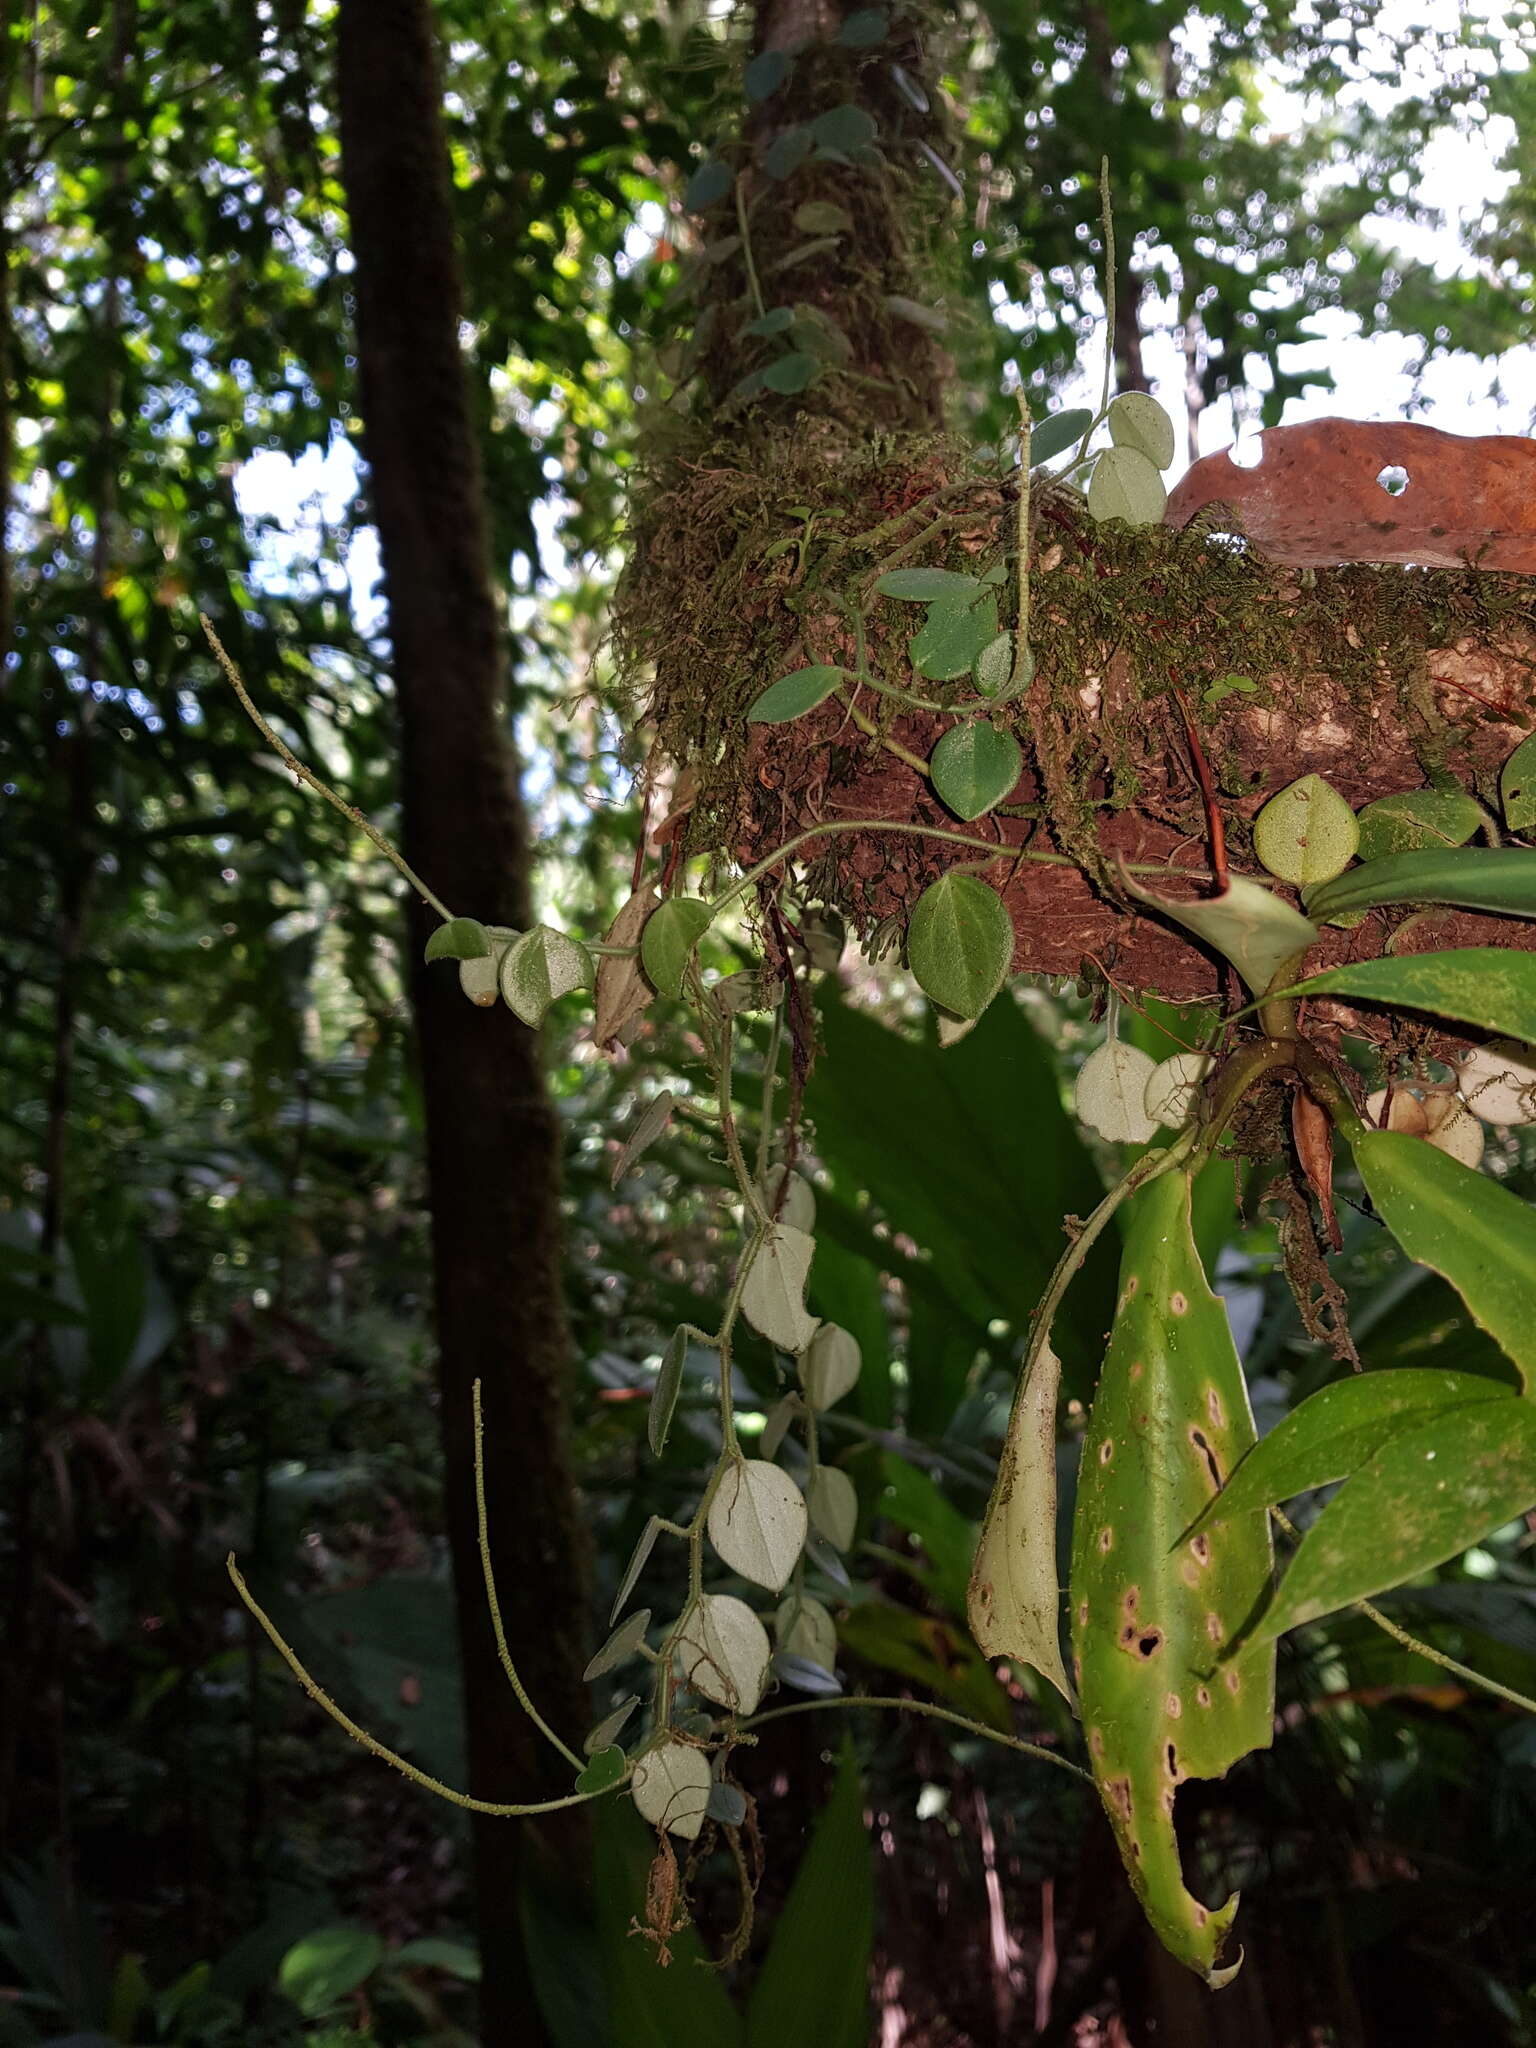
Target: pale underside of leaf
[{"x": 1014, "y": 1600}]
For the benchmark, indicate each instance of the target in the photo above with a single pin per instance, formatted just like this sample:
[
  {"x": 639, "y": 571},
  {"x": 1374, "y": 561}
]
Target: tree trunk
[{"x": 492, "y": 1135}]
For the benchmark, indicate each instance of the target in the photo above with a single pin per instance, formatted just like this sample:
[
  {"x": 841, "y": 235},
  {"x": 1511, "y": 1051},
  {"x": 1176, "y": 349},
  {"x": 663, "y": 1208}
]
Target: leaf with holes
[
  {"x": 960, "y": 943},
  {"x": 1013, "y": 1601},
  {"x": 1149, "y": 1613},
  {"x": 1482, "y": 985},
  {"x": 1136, "y": 420},
  {"x": 1427, "y": 1495},
  {"x": 1335, "y": 1431},
  {"x": 1257, "y": 931},
  {"x": 1416, "y": 819},
  {"x": 671, "y": 932},
  {"x": 974, "y": 766},
  {"x": 1517, "y": 787},
  {"x": 1058, "y": 432},
  {"x": 1463, "y": 1226},
  {"x": 952, "y": 637},
  {"x": 795, "y": 694},
  {"x": 757, "y": 1521},
  {"x": 1499, "y": 878},
  {"x": 1125, "y": 484}
]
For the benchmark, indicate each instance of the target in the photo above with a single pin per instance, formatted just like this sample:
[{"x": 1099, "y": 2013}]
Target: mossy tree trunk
[{"x": 493, "y": 1145}]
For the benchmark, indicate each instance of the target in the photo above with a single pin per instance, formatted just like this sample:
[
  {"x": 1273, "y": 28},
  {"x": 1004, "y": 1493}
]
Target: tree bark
[{"x": 492, "y": 1135}]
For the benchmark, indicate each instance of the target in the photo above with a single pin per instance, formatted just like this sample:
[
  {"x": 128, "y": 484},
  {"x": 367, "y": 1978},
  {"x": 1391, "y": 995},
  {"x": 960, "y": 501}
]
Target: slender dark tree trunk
[{"x": 492, "y": 1136}]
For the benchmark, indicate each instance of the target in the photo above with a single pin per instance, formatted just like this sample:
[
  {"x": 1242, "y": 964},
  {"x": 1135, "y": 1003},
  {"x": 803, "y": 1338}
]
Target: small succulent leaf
[
  {"x": 1427, "y": 1495},
  {"x": 954, "y": 633},
  {"x": 803, "y": 1628},
  {"x": 1058, "y": 432},
  {"x": 671, "y": 932},
  {"x": 790, "y": 374},
  {"x": 1337, "y": 1430},
  {"x": 793, "y": 695},
  {"x": 773, "y": 1293},
  {"x": 1517, "y": 787},
  {"x": 1307, "y": 833},
  {"x": 1149, "y": 1613},
  {"x": 974, "y": 766},
  {"x": 843, "y": 128},
  {"x": 833, "y": 1506},
  {"x": 805, "y": 1674},
  {"x": 757, "y": 1522},
  {"x": 1014, "y": 1601},
  {"x": 1483, "y": 985},
  {"x": 620, "y": 1646},
  {"x": 461, "y": 938},
  {"x": 826, "y": 1560},
  {"x": 925, "y": 586},
  {"x": 1173, "y": 1086},
  {"x": 607, "y": 1730},
  {"x": 605, "y": 1768},
  {"x": 620, "y": 990},
  {"x": 1125, "y": 484},
  {"x": 960, "y": 943},
  {"x": 829, "y": 1366},
  {"x": 543, "y": 966},
  {"x": 1497, "y": 878},
  {"x": 1498, "y": 1080},
  {"x": 671, "y": 1787},
  {"x": 644, "y": 1545},
  {"x": 648, "y": 1127},
  {"x": 1110, "y": 1095},
  {"x": 1416, "y": 819},
  {"x": 1465, "y": 1227},
  {"x": 1136, "y": 420},
  {"x": 1255, "y": 929},
  {"x": 778, "y": 320},
  {"x": 765, "y": 74},
  {"x": 669, "y": 1381},
  {"x": 724, "y": 1651},
  {"x": 727, "y": 1804},
  {"x": 993, "y": 667},
  {"x": 708, "y": 186},
  {"x": 822, "y": 217}
]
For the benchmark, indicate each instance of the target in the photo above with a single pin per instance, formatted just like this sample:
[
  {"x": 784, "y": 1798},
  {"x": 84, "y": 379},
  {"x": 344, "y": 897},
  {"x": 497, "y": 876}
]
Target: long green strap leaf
[
  {"x": 1149, "y": 1612},
  {"x": 1485, "y": 985},
  {"x": 1474, "y": 877}
]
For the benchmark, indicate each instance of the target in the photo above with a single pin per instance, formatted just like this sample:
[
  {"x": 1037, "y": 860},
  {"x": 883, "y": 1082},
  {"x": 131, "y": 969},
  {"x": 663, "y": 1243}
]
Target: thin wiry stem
[{"x": 977, "y": 1728}]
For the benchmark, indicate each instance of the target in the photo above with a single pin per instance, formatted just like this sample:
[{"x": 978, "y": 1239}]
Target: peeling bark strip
[
  {"x": 763, "y": 520},
  {"x": 492, "y": 1137}
]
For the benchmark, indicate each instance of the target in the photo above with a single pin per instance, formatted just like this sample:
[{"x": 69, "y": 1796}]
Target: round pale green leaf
[
  {"x": 778, "y": 320},
  {"x": 607, "y": 1730},
  {"x": 620, "y": 1646},
  {"x": 1517, "y": 787},
  {"x": 922, "y": 586},
  {"x": 821, "y": 217},
  {"x": 791, "y": 373},
  {"x": 773, "y": 1293},
  {"x": 1307, "y": 833},
  {"x": 1172, "y": 1087},
  {"x": 757, "y": 1522},
  {"x": 974, "y": 766},
  {"x": 1454, "y": 1130},
  {"x": 833, "y": 1505},
  {"x": 843, "y": 128},
  {"x": 804, "y": 1628},
  {"x": 952, "y": 636},
  {"x": 793, "y": 695},
  {"x": 1125, "y": 484},
  {"x": 765, "y": 74},
  {"x": 1417, "y": 818},
  {"x": 794, "y": 1204},
  {"x": 671, "y": 932},
  {"x": 993, "y": 668},
  {"x": 830, "y": 1365},
  {"x": 1111, "y": 1093},
  {"x": 1058, "y": 432},
  {"x": 960, "y": 943},
  {"x": 1498, "y": 1082},
  {"x": 671, "y": 1787},
  {"x": 1136, "y": 420},
  {"x": 543, "y": 966},
  {"x": 724, "y": 1650},
  {"x": 669, "y": 1380},
  {"x": 328, "y": 1964},
  {"x": 708, "y": 186},
  {"x": 461, "y": 938}
]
